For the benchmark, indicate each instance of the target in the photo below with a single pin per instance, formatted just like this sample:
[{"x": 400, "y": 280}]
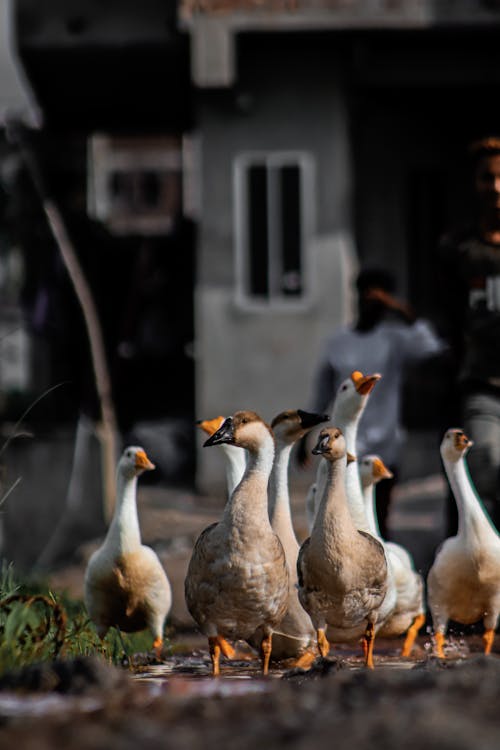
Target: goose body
[
  {"x": 408, "y": 615},
  {"x": 342, "y": 570},
  {"x": 125, "y": 583},
  {"x": 237, "y": 580},
  {"x": 464, "y": 581}
]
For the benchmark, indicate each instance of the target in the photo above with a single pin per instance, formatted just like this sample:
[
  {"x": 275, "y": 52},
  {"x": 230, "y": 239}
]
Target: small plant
[{"x": 38, "y": 625}]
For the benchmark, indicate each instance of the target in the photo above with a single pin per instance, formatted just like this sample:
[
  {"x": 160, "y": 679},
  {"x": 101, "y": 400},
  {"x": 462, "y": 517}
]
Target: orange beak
[
  {"x": 462, "y": 442},
  {"x": 210, "y": 425},
  {"x": 364, "y": 384},
  {"x": 380, "y": 470},
  {"x": 143, "y": 462}
]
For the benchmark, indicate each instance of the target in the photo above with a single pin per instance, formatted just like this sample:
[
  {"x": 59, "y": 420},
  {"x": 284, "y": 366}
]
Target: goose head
[
  {"x": 244, "y": 429},
  {"x": 331, "y": 445},
  {"x": 210, "y": 425},
  {"x": 372, "y": 470},
  {"x": 134, "y": 462},
  {"x": 291, "y": 425},
  {"x": 352, "y": 394},
  {"x": 455, "y": 445}
]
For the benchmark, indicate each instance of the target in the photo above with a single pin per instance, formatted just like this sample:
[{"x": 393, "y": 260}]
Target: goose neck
[
  {"x": 472, "y": 517},
  {"x": 371, "y": 510},
  {"x": 279, "y": 496},
  {"x": 333, "y": 519},
  {"x": 248, "y": 503},
  {"x": 124, "y": 532}
]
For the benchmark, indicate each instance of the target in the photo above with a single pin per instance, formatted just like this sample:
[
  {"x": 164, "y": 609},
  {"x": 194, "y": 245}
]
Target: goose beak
[
  {"x": 210, "y": 425},
  {"x": 462, "y": 442},
  {"x": 225, "y": 434},
  {"x": 364, "y": 384},
  {"x": 142, "y": 462},
  {"x": 321, "y": 446},
  {"x": 350, "y": 458},
  {"x": 380, "y": 470},
  {"x": 310, "y": 419}
]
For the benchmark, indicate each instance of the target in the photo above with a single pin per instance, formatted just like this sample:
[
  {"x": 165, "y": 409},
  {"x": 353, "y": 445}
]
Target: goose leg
[
  {"x": 305, "y": 660},
  {"x": 214, "y": 648},
  {"x": 439, "y": 641},
  {"x": 323, "y": 644},
  {"x": 488, "y": 638},
  {"x": 158, "y": 646},
  {"x": 369, "y": 641},
  {"x": 226, "y": 647},
  {"x": 266, "y": 647},
  {"x": 411, "y": 634}
]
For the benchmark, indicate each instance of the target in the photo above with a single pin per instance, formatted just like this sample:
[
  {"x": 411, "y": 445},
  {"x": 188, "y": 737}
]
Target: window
[{"x": 273, "y": 223}]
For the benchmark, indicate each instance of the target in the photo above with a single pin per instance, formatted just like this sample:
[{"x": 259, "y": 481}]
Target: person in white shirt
[{"x": 385, "y": 338}]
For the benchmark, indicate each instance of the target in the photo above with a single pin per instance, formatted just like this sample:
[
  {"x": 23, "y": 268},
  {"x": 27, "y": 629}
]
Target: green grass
[{"x": 38, "y": 625}]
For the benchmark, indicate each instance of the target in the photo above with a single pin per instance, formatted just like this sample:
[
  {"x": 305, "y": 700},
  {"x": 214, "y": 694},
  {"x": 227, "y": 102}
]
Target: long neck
[
  {"x": 279, "y": 497},
  {"x": 247, "y": 505},
  {"x": 235, "y": 466},
  {"x": 473, "y": 522},
  {"x": 349, "y": 427},
  {"x": 370, "y": 510},
  {"x": 333, "y": 523},
  {"x": 124, "y": 532}
]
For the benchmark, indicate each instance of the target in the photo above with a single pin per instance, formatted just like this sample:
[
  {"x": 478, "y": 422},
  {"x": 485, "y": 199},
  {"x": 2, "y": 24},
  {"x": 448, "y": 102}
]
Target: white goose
[
  {"x": 409, "y": 613},
  {"x": 295, "y": 636},
  {"x": 235, "y": 457},
  {"x": 464, "y": 581},
  {"x": 125, "y": 584},
  {"x": 342, "y": 570},
  {"x": 237, "y": 580}
]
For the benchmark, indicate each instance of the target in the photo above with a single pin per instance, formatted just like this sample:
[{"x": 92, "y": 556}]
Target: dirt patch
[{"x": 431, "y": 705}]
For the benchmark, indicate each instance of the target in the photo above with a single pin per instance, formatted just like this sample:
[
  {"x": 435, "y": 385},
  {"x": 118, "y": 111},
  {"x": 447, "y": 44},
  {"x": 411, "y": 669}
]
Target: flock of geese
[{"x": 248, "y": 577}]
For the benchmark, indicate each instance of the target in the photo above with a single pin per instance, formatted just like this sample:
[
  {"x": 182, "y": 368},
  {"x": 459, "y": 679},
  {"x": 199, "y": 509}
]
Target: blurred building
[{"x": 223, "y": 167}]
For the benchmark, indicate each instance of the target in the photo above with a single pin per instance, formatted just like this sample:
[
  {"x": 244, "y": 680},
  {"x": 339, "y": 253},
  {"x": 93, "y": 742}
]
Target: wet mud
[{"x": 414, "y": 703}]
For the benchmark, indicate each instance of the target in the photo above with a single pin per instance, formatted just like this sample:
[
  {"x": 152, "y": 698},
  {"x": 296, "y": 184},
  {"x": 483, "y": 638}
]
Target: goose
[
  {"x": 342, "y": 570},
  {"x": 464, "y": 581},
  {"x": 295, "y": 637},
  {"x": 125, "y": 584},
  {"x": 236, "y": 585},
  {"x": 350, "y": 401},
  {"x": 235, "y": 457},
  {"x": 409, "y": 612}
]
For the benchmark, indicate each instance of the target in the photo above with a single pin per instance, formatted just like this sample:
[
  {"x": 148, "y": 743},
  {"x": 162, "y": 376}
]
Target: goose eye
[{"x": 344, "y": 387}]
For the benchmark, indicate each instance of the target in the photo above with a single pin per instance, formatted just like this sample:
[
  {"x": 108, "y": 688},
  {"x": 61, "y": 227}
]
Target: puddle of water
[{"x": 32, "y": 706}]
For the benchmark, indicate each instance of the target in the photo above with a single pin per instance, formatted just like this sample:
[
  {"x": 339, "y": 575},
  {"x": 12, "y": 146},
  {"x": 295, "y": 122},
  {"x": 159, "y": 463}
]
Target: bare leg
[
  {"x": 369, "y": 640},
  {"x": 411, "y": 634},
  {"x": 323, "y": 644},
  {"x": 305, "y": 660},
  {"x": 158, "y": 646},
  {"x": 488, "y": 638},
  {"x": 226, "y": 647},
  {"x": 266, "y": 647},
  {"x": 213, "y": 645},
  {"x": 439, "y": 639}
]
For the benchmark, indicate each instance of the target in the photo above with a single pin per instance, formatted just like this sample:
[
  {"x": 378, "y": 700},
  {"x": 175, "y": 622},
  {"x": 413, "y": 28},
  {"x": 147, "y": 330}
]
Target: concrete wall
[{"x": 263, "y": 360}]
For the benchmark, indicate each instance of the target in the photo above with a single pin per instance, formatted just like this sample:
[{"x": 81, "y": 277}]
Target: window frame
[{"x": 272, "y": 161}]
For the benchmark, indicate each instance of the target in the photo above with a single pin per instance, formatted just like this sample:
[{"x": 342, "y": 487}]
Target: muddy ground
[{"x": 404, "y": 703}]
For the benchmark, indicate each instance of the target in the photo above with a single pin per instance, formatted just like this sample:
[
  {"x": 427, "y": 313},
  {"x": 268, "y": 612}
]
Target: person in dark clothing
[
  {"x": 469, "y": 268},
  {"x": 386, "y": 338}
]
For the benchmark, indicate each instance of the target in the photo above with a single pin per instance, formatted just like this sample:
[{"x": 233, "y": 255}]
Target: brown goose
[
  {"x": 237, "y": 581},
  {"x": 342, "y": 570}
]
